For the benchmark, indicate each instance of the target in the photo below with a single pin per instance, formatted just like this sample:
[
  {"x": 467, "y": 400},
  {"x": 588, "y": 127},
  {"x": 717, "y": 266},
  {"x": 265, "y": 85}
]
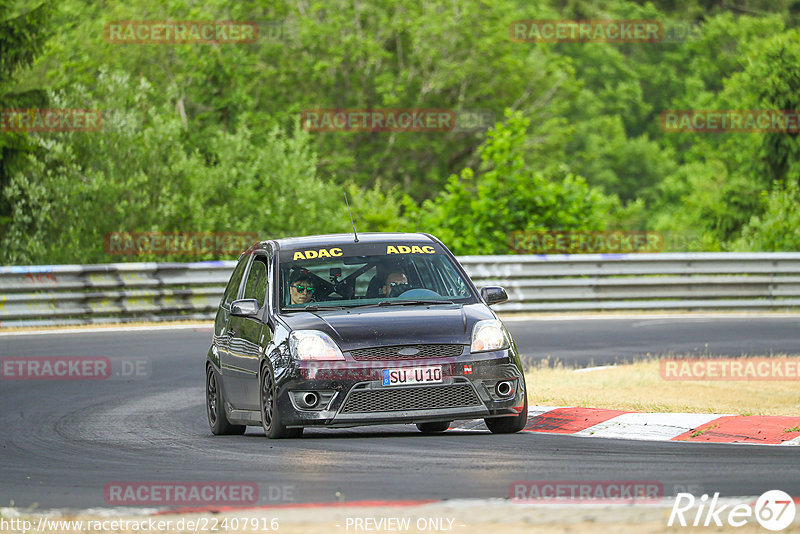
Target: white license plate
[{"x": 431, "y": 374}]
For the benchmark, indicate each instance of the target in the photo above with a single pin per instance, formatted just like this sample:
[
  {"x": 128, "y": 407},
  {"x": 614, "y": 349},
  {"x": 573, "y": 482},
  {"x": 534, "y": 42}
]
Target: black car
[{"x": 344, "y": 330}]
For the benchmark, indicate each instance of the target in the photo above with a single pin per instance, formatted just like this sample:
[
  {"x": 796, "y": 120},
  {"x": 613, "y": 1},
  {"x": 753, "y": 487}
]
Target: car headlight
[
  {"x": 489, "y": 335},
  {"x": 313, "y": 345}
]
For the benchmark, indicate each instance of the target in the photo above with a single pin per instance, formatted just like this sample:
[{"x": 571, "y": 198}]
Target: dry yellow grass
[{"x": 639, "y": 387}]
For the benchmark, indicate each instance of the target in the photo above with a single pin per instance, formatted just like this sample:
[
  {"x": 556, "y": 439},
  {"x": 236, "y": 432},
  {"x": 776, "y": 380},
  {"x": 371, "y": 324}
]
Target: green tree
[
  {"x": 477, "y": 212},
  {"x": 137, "y": 175},
  {"x": 777, "y": 229},
  {"x": 339, "y": 54},
  {"x": 22, "y": 35},
  {"x": 213, "y": 126},
  {"x": 722, "y": 178}
]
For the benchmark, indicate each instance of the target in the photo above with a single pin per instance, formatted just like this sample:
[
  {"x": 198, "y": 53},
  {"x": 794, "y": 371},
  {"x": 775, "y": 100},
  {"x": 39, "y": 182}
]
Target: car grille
[
  {"x": 392, "y": 353},
  {"x": 410, "y": 398}
]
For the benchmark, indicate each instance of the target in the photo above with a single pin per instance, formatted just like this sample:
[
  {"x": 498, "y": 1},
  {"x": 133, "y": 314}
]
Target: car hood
[{"x": 399, "y": 325}]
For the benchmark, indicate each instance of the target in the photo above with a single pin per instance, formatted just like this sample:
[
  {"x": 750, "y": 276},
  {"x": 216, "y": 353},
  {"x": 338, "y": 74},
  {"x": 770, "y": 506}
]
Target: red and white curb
[{"x": 684, "y": 427}]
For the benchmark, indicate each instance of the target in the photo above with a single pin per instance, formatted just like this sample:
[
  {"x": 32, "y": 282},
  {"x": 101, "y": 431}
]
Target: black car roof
[{"x": 291, "y": 243}]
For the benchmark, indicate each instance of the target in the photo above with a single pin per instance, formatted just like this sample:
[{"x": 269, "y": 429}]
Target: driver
[
  {"x": 395, "y": 283},
  {"x": 301, "y": 288}
]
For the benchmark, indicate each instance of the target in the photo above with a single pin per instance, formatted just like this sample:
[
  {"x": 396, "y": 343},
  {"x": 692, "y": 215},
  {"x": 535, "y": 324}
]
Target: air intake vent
[
  {"x": 408, "y": 352},
  {"x": 411, "y": 398}
]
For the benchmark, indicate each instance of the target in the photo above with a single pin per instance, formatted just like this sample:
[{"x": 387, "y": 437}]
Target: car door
[
  {"x": 246, "y": 337},
  {"x": 221, "y": 321}
]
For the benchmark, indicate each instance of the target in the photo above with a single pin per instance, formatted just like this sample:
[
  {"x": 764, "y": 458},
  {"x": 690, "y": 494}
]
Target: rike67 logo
[{"x": 774, "y": 510}]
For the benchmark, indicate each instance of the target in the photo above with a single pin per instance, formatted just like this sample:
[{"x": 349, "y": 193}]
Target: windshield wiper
[
  {"x": 313, "y": 307},
  {"x": 402, "y": 302},
  {"x": 317, "y": 307},
  {"x": 425, "y": 301}
]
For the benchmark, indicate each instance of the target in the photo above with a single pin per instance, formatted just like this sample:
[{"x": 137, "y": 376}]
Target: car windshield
[{"x": 370, "y": 275}]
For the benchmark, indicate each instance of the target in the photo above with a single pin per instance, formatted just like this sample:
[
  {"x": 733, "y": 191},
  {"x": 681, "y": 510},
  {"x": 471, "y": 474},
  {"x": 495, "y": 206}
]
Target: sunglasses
[{"x": 304, "y": 289}]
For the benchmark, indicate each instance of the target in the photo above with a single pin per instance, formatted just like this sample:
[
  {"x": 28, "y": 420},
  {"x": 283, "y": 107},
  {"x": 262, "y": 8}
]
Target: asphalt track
[{"x": 61, "y": 442}]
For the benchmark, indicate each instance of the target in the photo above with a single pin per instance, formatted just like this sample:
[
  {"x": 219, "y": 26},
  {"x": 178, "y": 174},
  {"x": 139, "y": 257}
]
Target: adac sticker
[
  {"x": 318, "y": 253},
  {"x": 405, "y": 249}
]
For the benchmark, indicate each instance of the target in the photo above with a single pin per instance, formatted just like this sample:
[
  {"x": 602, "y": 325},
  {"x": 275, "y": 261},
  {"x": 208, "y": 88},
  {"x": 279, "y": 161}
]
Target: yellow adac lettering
[
  {"x": 298, "y": 256},
  {"x": 416, "y": 250},
  {"x": 324, "y": 253},
  {"x": 311, "y": 254},
  {"x": 336, "y": 252},
  {"x": 404, "y": 249},
  {"x": 391, "y": 250},
  {"x": 428, "y": 250}
]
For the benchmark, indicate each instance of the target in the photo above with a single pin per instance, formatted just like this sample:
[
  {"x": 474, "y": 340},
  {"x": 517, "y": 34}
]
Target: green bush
[
  {"x": 478, "y": 211},
  {"x": 138, "y": 175}
]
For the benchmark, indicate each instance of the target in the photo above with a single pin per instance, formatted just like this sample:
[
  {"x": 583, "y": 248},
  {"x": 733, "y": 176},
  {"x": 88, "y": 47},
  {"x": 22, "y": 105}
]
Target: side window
[
  {"x": 256, "y": 286},
  {"x": 233, "y": 285}
]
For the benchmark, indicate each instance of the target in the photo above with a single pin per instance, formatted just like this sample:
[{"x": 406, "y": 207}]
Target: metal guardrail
[
  {"x": 111, "y": 293},
  {"x": 122, "y": 292},
  {"x": 666, "y": 281}
]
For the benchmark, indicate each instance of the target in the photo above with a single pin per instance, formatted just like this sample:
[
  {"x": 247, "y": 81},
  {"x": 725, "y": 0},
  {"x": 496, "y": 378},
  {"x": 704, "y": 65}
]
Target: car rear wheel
[
  {"x": 508, "y": 425},
  {"x": 270, "y": 416},
  {"x": 433, "y": 428},
  {"x": 215, "y": 408}
]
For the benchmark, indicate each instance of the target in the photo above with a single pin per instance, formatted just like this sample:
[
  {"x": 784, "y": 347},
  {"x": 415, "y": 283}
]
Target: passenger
[{"x": 301, "y": 288}]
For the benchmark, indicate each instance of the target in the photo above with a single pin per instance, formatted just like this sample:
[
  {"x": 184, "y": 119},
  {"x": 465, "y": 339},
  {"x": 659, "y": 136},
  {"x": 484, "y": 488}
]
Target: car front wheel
[
  {"x": 270, "y": 416},
  {"x": 215, "y": 408},
  {"x": 433, "y": 428},
  {"x": 509, "y": 425}
]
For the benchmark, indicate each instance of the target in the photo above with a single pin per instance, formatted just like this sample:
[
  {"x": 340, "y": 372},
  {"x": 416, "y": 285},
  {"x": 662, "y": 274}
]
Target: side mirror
[
  {"x": 494, "y": 294},
  {"x": 244, "y": 307}
]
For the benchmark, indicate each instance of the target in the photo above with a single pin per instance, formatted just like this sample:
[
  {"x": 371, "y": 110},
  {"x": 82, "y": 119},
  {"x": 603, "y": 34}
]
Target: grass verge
[{"x": 639, "y": 387}]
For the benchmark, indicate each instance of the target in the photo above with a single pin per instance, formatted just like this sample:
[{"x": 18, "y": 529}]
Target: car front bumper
[{"x": 352, "y": 393}]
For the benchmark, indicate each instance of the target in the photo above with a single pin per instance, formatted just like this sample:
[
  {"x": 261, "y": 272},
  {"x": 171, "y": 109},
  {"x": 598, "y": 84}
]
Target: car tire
[
  {"x": 509, "y": 425},
  {"x": 433, "y": 428},
  {"x": 215, "y": 408},
  {"x": 270, "y": 415}
]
